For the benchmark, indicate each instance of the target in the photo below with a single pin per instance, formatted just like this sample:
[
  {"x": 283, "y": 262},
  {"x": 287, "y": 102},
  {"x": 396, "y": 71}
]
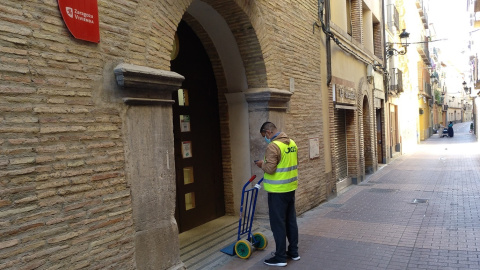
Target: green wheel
[
  {"x": 260, "y": 241},
  {"x": 243, "y": 249}
]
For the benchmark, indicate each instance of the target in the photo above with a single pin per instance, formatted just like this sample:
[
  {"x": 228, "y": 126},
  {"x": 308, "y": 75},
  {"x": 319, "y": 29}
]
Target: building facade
[
  {"x": 110, "y": 149},
  {"x": 354, "y": 104}
]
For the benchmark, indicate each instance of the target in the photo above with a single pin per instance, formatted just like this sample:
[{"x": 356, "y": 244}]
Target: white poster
[
  {"x": 187, "y": 149},
  {"x": 314, "y": 148}
]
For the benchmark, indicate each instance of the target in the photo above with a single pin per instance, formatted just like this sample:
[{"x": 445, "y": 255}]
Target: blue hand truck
[{"x": 243, "y": 248}]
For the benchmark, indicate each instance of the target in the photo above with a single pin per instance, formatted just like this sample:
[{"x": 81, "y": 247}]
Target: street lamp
[
  {"x": 467, "y": 90},
  {"x": 403, "y": 41}
]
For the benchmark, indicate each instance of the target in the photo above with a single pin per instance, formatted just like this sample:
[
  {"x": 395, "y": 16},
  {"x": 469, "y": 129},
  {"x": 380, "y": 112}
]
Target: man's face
[{"x": 266, "y": 133}]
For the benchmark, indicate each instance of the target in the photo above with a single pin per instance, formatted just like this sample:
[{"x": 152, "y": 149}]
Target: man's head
[{"x": 268, "y": 129}]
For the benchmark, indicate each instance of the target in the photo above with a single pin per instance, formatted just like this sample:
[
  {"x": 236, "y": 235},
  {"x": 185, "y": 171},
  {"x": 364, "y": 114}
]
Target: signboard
[
  {"x": 81, "y": 18},
  {"x": 344, "y": 94},
  {"x": 314, "y": 148}
]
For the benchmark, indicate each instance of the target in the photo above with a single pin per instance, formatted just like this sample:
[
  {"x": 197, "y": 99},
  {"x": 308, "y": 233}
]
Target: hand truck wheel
[
  {"x": 243, "y": 248},
  {"x": 260, "y": 242}
]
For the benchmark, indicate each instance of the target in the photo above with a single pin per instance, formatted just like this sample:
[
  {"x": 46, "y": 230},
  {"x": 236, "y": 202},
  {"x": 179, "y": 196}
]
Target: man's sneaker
[
  {"x": 295, "y": 258},
  {"x": 274, "y": 262}
]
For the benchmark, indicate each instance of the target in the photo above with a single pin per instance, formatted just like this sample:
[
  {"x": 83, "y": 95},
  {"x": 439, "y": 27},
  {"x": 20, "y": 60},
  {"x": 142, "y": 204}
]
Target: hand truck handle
[{"x": 252, "y": 178}]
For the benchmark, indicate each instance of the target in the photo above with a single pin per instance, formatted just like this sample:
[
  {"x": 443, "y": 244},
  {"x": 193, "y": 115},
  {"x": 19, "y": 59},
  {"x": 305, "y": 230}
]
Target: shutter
[{"x": 420, "y": 76}]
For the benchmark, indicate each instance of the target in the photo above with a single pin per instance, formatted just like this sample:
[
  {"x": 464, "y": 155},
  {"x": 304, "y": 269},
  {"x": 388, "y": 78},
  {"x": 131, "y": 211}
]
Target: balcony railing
[{"x": 396, "y": 81}]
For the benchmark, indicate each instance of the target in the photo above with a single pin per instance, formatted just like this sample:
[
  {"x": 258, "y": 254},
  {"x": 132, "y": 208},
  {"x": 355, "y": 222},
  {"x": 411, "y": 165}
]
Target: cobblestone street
[{"x": 422, "y": 211}]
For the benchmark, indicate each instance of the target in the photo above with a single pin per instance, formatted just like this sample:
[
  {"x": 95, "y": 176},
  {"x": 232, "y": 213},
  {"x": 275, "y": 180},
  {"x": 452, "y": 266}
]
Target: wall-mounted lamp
[
  {"x": 468, "y": 90},
  {"x": 404, "y": 42}
]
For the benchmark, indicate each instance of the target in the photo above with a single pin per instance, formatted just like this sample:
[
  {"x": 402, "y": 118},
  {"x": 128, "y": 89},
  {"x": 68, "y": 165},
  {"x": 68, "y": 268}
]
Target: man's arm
[{"x": 272, "y": 158}]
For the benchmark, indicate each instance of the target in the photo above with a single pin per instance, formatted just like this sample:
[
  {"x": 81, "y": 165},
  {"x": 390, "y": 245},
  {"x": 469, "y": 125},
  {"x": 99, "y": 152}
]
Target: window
[{"x": 349, "y": 16}]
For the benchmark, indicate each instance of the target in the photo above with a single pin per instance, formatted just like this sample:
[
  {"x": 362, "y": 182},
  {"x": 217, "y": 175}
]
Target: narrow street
[{"x": 422, "y": 211}]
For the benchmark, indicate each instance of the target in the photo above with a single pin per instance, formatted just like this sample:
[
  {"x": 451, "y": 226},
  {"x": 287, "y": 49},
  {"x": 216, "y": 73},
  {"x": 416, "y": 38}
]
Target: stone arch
[
  {"x": 230, "y": 40},
  {"x": 145, "y": 80},
  {"x": 366, "y": 128}
]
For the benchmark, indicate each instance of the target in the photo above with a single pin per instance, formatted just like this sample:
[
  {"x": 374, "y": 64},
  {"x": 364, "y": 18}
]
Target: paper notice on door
[
  {"x": 185, "y": 123},
  {"x": 187, "y": 149}
]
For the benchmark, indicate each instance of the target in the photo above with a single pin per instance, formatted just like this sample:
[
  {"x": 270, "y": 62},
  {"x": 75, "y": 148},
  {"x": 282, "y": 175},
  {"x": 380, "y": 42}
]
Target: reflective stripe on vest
[{"x": 285, "y": 178}]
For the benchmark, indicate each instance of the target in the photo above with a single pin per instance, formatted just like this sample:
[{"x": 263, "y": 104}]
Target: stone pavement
[{"x": 422, "y": 211}]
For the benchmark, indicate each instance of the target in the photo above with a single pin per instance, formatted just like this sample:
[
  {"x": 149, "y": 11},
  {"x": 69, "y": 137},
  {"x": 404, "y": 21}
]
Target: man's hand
[{"x": 259, "y": 163}]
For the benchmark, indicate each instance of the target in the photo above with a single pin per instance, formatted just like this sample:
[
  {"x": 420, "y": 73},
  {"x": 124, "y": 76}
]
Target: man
[{"x": 280, "y": 181}]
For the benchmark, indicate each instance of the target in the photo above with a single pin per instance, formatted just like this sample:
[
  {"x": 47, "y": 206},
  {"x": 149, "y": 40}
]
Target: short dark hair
[{"x": 267, "y": 126}]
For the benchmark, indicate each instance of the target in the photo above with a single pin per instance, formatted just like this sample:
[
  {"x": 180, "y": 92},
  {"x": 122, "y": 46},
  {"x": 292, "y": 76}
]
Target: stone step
[{"x": 200, "y": 247}]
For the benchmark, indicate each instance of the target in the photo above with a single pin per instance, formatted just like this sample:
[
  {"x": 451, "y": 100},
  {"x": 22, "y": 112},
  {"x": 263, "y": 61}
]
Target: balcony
[
  {"x": 422, "y": 11},
  {"x": 393, "y": 18},
  {"x": 396, "y": 81},
  {"x": 428, "y": 90},
  {"x": 476, "y": 18},
  {"x": 419, "y": 3},
  {"x": 422, "y": 49}
]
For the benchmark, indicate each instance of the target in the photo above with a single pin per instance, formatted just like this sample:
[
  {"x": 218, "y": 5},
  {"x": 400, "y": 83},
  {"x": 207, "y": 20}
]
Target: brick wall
[{"x": 65, "y": 202}]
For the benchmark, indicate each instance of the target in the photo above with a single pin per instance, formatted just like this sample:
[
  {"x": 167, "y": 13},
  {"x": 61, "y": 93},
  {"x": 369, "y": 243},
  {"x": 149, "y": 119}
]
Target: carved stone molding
[
  {"x": 146, "y": 86},
  {"x": 267, "y": 99}
]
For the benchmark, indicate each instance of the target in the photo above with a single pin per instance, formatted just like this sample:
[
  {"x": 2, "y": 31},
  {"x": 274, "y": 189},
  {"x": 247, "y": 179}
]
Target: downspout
[
  {"x": 328, "y": 45},
  {"x": 326, "y": 27},
  {"x": 385, "y": 88},
  {"x": 385, "y": 70}
]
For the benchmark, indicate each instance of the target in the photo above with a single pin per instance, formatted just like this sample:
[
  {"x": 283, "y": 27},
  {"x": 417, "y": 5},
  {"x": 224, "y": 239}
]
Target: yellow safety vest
[{"x": 285, "y": 178}]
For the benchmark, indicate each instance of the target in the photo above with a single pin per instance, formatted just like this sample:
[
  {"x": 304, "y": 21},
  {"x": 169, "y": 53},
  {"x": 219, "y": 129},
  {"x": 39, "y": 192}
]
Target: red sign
[{"x": 81, "y": 18}]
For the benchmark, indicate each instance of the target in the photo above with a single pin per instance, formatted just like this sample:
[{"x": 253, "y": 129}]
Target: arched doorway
[
  {"x": 198, "y": 156},
  {"x": 226, "y": 47}
]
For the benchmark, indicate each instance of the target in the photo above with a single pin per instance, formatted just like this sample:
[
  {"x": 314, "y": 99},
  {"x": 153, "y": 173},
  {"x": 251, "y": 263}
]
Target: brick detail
[
  {"x": 378, "y": 47},
  {"x": 357, "y": 20}
]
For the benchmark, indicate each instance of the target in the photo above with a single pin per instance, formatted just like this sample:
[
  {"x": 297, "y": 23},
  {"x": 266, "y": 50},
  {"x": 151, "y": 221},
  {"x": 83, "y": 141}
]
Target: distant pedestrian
[
  {"x": 450, "y": 129},
  {"x": 280, "y": 181}
]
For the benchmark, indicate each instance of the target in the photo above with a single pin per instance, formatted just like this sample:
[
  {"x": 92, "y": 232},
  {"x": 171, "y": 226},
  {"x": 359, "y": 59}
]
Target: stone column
[
  {"x": 150, "y": 163},
  {"x": 264, "y": 104}
]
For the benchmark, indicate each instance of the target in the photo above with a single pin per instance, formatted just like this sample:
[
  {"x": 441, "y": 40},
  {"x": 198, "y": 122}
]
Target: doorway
[
  {"x": 198, "y": 158},
  {"x": 367, "y": 138},
  {"x": 379, "y": 136}
]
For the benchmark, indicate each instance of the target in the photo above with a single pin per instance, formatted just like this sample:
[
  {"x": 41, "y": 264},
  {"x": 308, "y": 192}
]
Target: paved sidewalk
[{"x": 422, "y": 211}]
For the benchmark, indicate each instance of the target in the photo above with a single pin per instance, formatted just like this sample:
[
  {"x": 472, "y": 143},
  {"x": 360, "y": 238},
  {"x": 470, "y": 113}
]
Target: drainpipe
[
  {"x": 329, "y": 47},
  {"x": 326, "y": 26},
  {"x": 385, "y": 70}
]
